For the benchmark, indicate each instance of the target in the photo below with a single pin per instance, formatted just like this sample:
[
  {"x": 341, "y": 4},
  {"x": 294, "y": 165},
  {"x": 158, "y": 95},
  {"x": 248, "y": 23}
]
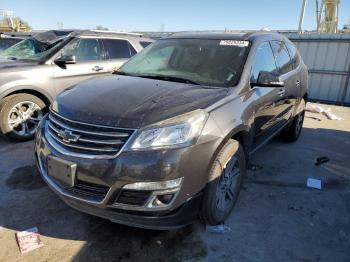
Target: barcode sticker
[{"x": 234, "y": 43}]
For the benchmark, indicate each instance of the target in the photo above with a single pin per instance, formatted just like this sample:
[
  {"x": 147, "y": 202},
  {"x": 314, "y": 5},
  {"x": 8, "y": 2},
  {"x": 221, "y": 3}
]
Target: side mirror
[
  {"x": 269, "y": 80},
  {"x": 65, "y": 60}
]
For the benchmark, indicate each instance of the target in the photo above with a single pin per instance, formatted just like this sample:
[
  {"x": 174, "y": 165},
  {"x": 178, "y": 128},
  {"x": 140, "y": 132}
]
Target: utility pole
[{"x": 302, "y": 14}]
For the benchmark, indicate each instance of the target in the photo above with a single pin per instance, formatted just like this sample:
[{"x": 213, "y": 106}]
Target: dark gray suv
[
  {"x": 167, "y": 138},
  {"x": 35, "y": 70}
]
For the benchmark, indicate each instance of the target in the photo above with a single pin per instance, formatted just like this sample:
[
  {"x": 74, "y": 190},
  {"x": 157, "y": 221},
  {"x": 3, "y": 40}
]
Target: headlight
[{"x": 178, "y": 131}]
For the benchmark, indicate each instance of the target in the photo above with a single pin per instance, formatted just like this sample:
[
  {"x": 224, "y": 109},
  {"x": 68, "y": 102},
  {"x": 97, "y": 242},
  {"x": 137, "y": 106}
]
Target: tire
[
  {"x": 292, "y": 132},
  {"x": 16, "y": 122},
  {"x": 221, "y": 193}
]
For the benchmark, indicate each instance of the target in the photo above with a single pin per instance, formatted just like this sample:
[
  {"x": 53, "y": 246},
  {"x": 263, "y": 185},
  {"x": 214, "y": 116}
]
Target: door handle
[
  {"x": 97, "y": 68},
  {"x": 297, "y": 83},
  {"x": 281, "y": 92}
]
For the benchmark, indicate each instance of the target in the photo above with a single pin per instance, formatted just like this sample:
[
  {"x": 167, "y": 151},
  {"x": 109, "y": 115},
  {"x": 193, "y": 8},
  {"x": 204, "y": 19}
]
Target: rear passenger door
[
  {"x": 287, "y": 75},
  {"x": 89, "y": 63},
  {"x": 116, "y": 52}
]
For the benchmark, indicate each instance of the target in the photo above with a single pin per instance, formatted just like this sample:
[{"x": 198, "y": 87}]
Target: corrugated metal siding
[{"x": 328, "y": 59}]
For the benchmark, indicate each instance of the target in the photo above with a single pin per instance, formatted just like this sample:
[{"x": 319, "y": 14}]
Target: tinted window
[
  {"x": 145, "y": 44},
  {"x": 263, "y": 61},
  {"x": 282, "y": 57},
  {"x": 293, "y": 54},
  {"x": 118, "y": 49},
  {"x": 84, "y": 49}
]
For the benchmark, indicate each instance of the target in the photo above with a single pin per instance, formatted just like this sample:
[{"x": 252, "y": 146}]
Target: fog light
[
  {"x": 162, "y": 199},
  {"x": 165, "y": 199}
]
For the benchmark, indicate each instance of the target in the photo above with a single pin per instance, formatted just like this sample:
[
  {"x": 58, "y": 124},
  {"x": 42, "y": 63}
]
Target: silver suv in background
[{"x": 35, "y": 70}]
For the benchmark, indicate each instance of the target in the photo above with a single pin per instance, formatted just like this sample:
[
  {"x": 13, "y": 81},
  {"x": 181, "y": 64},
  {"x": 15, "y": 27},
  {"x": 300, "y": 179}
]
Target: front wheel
[
  {"x": 20, "y": 115},
  {"x": 226, "y": 177}
]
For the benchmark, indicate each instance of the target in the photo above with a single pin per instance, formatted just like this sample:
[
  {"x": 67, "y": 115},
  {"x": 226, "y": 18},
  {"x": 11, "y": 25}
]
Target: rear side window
[
  {"x": 144, "y": 44},
  {"x": 293, "y": 54},
  {"x": 263, "y": 61},
  {"x": 118, "y": 49},
  {"x": 283, "y": 60}
]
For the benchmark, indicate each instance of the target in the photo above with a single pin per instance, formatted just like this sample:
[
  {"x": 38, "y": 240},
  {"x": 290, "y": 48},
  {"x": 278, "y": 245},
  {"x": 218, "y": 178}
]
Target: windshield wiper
[
  {"x": 170, "y": 78},
  {"x": 117, "y": 72}
]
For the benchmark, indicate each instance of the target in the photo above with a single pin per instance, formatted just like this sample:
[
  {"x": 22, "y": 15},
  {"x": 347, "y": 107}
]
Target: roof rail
[{"x": 115, "y": 32}]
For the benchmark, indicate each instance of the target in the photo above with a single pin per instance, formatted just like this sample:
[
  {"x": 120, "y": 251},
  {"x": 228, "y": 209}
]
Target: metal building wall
[{"x": 328, "y": 59}]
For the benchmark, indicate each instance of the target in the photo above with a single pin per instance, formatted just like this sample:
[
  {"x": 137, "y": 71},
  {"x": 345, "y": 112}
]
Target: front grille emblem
[{"x": 68, "y": 136}]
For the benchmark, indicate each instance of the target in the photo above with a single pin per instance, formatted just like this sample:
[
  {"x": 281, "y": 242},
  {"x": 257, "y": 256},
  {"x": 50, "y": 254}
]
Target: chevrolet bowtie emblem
[{"x": 68, "y": 136}]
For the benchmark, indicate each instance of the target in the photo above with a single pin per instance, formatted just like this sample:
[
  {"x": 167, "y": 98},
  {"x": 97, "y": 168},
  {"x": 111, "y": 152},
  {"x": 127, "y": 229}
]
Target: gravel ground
[{"x": 277, "y": 218}]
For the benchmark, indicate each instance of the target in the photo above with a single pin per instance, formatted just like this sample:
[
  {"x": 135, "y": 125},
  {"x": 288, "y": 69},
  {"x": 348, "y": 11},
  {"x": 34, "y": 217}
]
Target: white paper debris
[
  {"x": 220, "y": 229},
  {"x": 29, "y": 240},
  {"x": 318, "y": 109},
  {"x": 313, "y": 183}
]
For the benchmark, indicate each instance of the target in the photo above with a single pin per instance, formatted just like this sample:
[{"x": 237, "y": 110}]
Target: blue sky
[{"x": 170, "y": 15}]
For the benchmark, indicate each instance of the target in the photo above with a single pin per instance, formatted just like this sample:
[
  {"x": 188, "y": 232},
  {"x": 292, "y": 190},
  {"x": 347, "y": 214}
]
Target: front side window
[
  {"x": 118, "y": 49},
  {"x": 283, "y": 60},
  {"x": 84, "y": 49},
  {"x": 203, "y": 61},
  {"x": 263, "y": 61}
]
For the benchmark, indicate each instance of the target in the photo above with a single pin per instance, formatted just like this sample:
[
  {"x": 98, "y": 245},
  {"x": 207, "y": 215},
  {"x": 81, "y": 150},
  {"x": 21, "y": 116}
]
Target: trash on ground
[
  {"x": 159, "y": 242},
  {"x": 220, "y": 229},
  {"x": 254, "y": 167},
  {"x": 321, "y": 160},
  {"x": 28, "y": 240},
  {"x": 314, "y": 118},
  {"x": 318, "y": 109},
  {"x": 313, "y": 183}
]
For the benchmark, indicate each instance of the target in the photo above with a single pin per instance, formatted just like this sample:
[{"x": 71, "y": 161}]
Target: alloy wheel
[
  {"x": 228, "y": 184},
  {"x": 24, "y": 118}
]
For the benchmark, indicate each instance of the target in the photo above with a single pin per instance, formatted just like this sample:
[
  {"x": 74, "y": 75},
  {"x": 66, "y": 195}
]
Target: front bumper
[{"x": 191, "y": 163}]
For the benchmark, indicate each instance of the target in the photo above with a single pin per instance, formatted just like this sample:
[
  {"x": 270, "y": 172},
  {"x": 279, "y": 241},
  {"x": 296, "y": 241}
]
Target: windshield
[
  {"x": 28, "y": 49},
  {"x": 203, "y": 61}
]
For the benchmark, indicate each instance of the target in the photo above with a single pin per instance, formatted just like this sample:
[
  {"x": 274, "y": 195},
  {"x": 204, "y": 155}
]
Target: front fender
[{"x": 25, "y": 89}]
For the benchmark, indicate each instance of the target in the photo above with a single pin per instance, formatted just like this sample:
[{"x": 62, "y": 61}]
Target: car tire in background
[
  {"x": 20, "y": 115},
  {"x": 292, "y": 132},
  {"x": 226, "y": 175}
]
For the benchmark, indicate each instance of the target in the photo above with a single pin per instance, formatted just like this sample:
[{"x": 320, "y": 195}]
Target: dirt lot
[{"x": 276, "y": 219}]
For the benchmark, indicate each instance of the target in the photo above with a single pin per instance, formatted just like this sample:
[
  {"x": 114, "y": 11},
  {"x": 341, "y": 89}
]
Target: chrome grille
[{"x": 87, "y": 139}]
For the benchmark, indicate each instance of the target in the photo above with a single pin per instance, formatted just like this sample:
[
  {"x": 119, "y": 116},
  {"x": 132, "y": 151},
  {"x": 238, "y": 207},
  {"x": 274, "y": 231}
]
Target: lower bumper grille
[
  {"x": 133, "y": 197},
  {"x": 89, "y": 191}
]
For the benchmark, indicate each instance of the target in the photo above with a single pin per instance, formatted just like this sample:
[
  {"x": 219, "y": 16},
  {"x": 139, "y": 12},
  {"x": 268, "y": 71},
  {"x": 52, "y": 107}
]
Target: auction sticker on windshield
[{"x": 234, "y": 43}]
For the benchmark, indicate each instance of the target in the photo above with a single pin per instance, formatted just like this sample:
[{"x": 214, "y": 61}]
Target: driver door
[
  {"x": 269, "y": 100},
  {"x": 89, "y": 63}
]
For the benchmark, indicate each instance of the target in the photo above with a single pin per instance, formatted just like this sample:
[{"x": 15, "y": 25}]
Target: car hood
[
  {"x": 7, "y": 63},
  {"x": 133, "y": 102}
]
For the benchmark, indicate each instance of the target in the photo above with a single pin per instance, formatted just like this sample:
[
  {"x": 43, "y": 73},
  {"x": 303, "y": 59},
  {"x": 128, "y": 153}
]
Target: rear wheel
[
  {"x": 292, "y": 132},
  {"x": 20, "y": 115},
  {"x": 221, "y": 193}
]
